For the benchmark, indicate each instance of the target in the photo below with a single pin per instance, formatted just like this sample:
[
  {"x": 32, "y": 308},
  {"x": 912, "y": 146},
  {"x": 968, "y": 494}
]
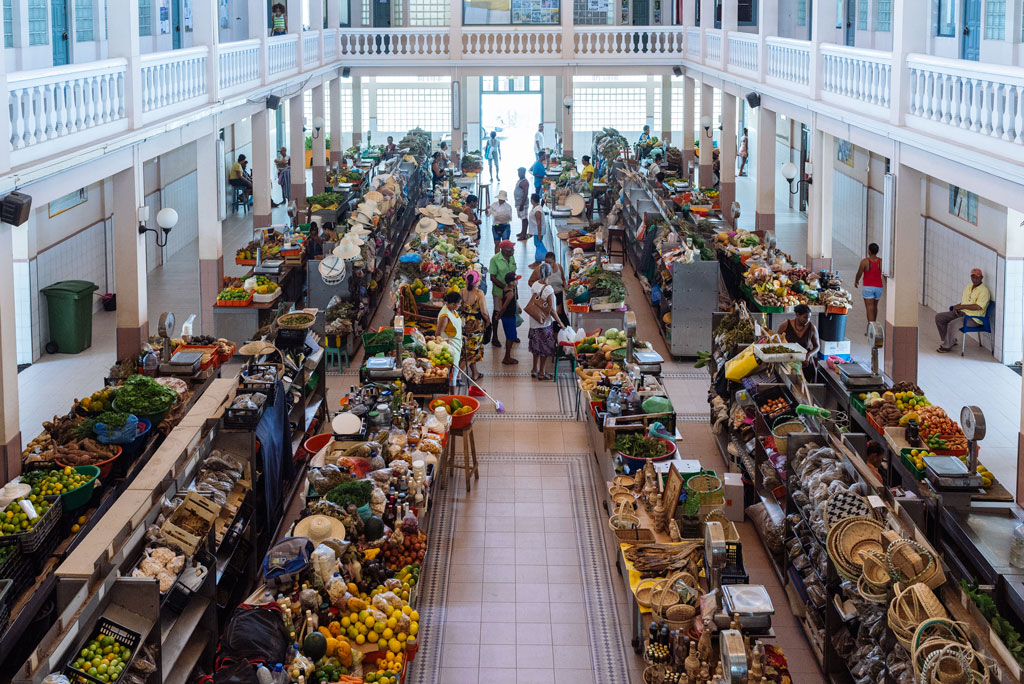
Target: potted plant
[{"x": 689, "y": 523}]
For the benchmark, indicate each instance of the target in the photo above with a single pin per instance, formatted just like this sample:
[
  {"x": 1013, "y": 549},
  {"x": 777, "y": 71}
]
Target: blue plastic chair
[{"x": 970, "y": 326}]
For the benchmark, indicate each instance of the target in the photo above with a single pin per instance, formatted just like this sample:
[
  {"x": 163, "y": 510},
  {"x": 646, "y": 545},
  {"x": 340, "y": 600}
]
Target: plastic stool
[
  {"x": 468, "y": 449},
  {"x": 334, "y": 355},
  {"x": 239, "y": 200},
  {"x": 560, "y": 355}
]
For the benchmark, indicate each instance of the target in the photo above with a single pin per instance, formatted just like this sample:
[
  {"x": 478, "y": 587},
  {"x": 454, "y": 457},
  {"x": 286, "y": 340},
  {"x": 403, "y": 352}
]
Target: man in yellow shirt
[{"x": 974, "y": 299}]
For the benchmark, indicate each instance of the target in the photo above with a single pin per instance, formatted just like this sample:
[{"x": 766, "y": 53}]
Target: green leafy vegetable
[
  {"x": 636, "y": 445},
  {"x": 356, "y": 492},
  {"x": 143, "y": 395},
  {"x": 1010, "y": 637}
]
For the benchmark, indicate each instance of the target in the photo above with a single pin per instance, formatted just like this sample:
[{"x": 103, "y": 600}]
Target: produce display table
[{"x": 237, "y": 323}]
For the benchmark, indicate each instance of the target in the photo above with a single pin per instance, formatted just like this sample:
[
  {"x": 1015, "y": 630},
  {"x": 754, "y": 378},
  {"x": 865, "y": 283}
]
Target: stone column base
[
  {"x": 211, "y": 277},
  {"x": 816, "y": 264},
  {"x": 319, "y": 179},
  {"x": 299, "y": 195},
  {"x": 726, "y": 195},
  {"x": 764, "y": 221},
  {"x": 900, "y": 352},
  {"x": 11, "y": 455},
  {"x": 705, "y": 176},
  {"x": 261, "y": 220},
  {"x": 129, "y": 341}
]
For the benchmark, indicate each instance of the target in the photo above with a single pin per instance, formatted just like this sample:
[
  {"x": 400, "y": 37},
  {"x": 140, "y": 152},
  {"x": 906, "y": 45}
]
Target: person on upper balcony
[
  {"x": 975, "y": 299},
  {"x": 280, "y": 22}
]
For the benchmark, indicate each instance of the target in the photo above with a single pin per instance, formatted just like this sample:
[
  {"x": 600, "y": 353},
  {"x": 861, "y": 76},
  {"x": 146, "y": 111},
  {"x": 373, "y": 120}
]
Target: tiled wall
[
  {"x": 849, "y": 209},
  {"x": 1013, "y": 311},
  {"x": 23, "y": 311},
  {"x": 152, "y": 251},
  {"x": 948, "y": 259},
  {"x": 80, "y": 257},
  {"x": 181, "y": 195},
  {"x": 876, "y": 205}
]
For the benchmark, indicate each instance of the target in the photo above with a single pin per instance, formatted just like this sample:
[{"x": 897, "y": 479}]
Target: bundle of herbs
[{"x": 638, "y": 445}]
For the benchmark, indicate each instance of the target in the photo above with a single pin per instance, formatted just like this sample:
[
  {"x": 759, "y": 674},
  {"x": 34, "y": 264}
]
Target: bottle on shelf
[{"x": 614, "y": 400}]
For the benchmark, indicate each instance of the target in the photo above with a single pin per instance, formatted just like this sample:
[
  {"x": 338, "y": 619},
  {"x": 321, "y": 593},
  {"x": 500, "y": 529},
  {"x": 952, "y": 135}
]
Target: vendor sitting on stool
[
  {"x": 800, "y": 330},
  {"x": 974, "y": 299},
  {"x": 239, "y": 178}
]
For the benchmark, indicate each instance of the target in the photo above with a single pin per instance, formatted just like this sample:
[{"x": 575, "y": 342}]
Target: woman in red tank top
[{"x": 870, "y": 270}]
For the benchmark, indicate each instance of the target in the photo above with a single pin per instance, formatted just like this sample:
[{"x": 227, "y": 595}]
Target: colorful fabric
[{"x": 542, "y": 341}]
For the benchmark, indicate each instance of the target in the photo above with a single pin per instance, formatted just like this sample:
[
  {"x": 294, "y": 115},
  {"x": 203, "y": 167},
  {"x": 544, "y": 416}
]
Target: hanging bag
[
  {"x": 539, "y": 307},
  {"x": 255, "y": 634}
]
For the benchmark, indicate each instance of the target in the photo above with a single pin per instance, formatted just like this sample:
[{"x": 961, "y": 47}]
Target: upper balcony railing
[{"x": 54, "y": 110}]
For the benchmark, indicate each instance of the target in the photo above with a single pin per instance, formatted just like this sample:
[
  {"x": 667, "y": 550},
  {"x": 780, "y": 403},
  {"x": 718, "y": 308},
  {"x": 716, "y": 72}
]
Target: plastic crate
[
  {"x": 17, "y": 568},
  {"x": 32, "y": 540},
  {"x": 734, "y": 572},
  {"x": 905, "y": 458},
  {"x": 774, "y": 393},
  {"x": 244, "y": 418},
  {"x": 857, "y": 404},
  {"x": 267, "y": 387},
  {"x": 6, "y": 599},
  {"x": 104, "y": 627}
]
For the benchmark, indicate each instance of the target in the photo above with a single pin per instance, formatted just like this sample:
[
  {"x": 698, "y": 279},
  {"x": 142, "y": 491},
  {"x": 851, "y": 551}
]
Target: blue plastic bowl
[{"x": 134, "y": 448}]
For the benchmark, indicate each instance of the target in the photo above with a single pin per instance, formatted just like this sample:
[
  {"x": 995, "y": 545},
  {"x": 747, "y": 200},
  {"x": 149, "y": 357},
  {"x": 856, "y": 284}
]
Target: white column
[
  {"x": 666, "y": 109},
  {"x": 567, "y": 129},
  {"x": 689, "y": 104},
  {"x": 10, "y": 430},
  {"x": 727, "y": 156},
  {"x": 264, "y": 168},
  {"x": 319, "y": 141},
  {"x": 688, "y": 10},
  {"x": 357, "y": 110},
  {"x": 130, "y": 259},
  {"x": 295, "y": 27},
  {"x": 819, "y": 211},
  {"x": 764, "y": 216},
  {"x": 297, "y": 150},
  {"x": 823, "y": 30},
  {"x": 568, "y": 33},
  {"x": 767, "y": 25},
  {"x": 211, "y": 250},
  {"x": 336, "y": 135},
  {"x": 903, "y": 287},
  {"x": 258, "y": 29},
  {"x": 707, "y": 21},
  {"x": 334, "y": 15},
  {"x": 730, "y": 22},
  {"x": 123, "y": 41},
  {"x": 706, "y": 135},
  {"x": 316, "y": 23},
  {"x": 907, "y": 38},
  {"x": 455, "y": 31},
  {"x": 205, "y": 32},
  {"x": 5, "y": 122}
]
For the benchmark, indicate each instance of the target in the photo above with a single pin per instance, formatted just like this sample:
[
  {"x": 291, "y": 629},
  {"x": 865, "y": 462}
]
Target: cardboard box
[
  {"x": 840, "y": 348},
  {"x": 732, "y": 486},
  {"x": 195, "y": 505}
]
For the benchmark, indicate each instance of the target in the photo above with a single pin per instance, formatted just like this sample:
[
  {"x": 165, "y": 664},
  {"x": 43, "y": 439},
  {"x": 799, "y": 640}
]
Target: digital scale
[
  {"x": 268, "y": 267},
  {"x": 647, "y": 361},
  {"x": 180, "y": 363},
  {"x": 855, "y": 376},
  {"x": 949, "y": 473}
]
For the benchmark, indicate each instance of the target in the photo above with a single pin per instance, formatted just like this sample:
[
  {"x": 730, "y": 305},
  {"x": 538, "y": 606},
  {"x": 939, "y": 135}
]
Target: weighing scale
[
  {"x": 647, "y": 361},
  {"x": 856, "y": 377},
  {"x": 178, "y": 363},
  {"x": 733, "y": 654},
  {"x": 386, "y": 367},
  {"x": 948, "y": 473},
  {"x": 268, "y": 267}
]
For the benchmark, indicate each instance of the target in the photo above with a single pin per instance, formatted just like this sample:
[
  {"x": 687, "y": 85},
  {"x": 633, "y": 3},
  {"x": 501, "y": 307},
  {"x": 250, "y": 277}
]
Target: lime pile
[
  {"x": 15, "y": 520},
  {"x": 103, "y": 658},
  {"x": 50, "y": 482}
]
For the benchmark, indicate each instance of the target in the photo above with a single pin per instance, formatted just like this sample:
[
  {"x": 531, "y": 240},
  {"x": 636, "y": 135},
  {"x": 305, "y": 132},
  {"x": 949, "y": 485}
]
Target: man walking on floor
[
  {"x": 522, "y": 199},
  {"x": 974, "y": 299}
]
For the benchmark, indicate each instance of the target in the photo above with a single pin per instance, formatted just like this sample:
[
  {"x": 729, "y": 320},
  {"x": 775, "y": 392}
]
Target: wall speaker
[
  {"x": 273, "y": 101},
  {"x": 345, "y": 71},
  {"x": 678, "y": 71},
  {"x": 15, "y": 207},
  {"x": 754, "y": 100}
]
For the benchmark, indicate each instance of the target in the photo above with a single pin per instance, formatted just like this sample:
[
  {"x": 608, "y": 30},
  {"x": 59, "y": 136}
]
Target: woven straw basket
[{"x": 911, "y": 606}]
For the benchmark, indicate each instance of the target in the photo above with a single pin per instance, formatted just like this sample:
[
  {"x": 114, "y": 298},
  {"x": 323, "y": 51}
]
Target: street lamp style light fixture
[
  {"x": 318, "y": 125},
  {"x": 166, "y": 218},
  {"x": 567, "y": 101},
  {"x": 789, "y": 173},
  {"x": 706, "y": 122}
]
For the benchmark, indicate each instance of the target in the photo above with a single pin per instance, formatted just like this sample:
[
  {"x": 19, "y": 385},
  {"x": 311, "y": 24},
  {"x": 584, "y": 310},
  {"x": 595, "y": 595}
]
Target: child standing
[
  {"x": 509, "y": 308},
  {"x": 280, "y": 25}
]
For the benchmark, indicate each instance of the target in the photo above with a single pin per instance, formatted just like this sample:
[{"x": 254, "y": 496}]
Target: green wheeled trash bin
[{"x": 69, "y": 303}]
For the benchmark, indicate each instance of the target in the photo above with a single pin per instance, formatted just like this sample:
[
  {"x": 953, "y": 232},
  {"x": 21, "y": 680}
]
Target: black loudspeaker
[
  {"x": 754, "y": 100},
  {"x": 345, "y": 71},
  {"x": 273, "y": 101},
  {"x": 678, "y": 71},
  {"x": 15, "y": 207}
]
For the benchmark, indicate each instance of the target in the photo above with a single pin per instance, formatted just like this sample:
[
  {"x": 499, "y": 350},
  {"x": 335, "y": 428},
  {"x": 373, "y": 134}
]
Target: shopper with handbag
[{"x": 539, "y": 311}]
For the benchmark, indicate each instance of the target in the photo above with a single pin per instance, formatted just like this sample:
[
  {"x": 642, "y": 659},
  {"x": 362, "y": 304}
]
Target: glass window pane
[
  {"x": 145, "y": 17},
  {"x": 400, "y": 109},
  {"x": 862, "y": 15},
  {"x": 617, "y": 107},
  {"x": 883, "y": 15},
  {"x": 8, "y": 23},
  {"x": 37, "y": 23},
  {"x": 535, "y": 12},
  {"x": 963, "y": 204},
  {"x": 945, "y": 11},
  {"x": 429, "y": 13},
  {"x": 801, "y": 12},
  {"x": 995, "y": 19},
  {"x": 83, "y": 20}
]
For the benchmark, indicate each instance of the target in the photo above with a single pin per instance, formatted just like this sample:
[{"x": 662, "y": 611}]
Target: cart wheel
[{"x": 51, "y": 347}]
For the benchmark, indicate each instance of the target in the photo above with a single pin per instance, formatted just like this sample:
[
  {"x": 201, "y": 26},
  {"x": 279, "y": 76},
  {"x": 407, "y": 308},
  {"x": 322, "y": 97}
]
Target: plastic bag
[
  {"x": 657, "y": 405},
  {"x": 741, "y": 365},
  {"x": 325, "y": 562}
]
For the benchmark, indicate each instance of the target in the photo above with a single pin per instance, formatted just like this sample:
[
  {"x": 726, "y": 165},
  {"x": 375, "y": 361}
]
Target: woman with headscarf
[{"x": 475, "y": 322}]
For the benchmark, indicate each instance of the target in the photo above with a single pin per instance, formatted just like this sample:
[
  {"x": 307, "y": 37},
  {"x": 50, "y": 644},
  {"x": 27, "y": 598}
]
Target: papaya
[
  {"x": 456, "y": 404},
  {"x": 437, "y": 402}
]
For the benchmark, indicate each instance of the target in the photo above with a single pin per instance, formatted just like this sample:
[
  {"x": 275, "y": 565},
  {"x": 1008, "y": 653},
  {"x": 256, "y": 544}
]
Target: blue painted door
[
  {"x": 59, "y": 32},
  {"x": 970, "y": 41},
  {"x": 851, "y": 21},
  {"x": 176, "y": 24}
]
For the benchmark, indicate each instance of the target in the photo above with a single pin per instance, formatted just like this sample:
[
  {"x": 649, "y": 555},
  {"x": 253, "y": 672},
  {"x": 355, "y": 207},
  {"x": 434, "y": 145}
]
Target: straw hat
[
  {"x": 374, "y": 196},
  {"x": 463, "y": 218},
  {"x": 256, "y": 348},
  {"x": 346, "y": 249},
  {"x": 430, "y": 211},
  {"x": 426, "y": 225},
  {"x": 368, "y": 207},
  {"x": 446, "y": 218},
  {"x": 320, "y": 527}
]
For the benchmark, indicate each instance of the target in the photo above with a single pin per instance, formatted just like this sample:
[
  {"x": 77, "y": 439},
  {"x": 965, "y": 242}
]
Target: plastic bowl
[
  {"x": 466, "y": 419},
  {"x": 135, "y": 447},
  {"x": 104, "y": 466},
  {"x": 77, "y": 498},
  {"x": 635, "y": 464},
  {"x": 317, "y": 442}
]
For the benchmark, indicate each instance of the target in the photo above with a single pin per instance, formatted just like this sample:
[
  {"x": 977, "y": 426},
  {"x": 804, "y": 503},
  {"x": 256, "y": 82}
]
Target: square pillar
[
  {"x": 727, "y": 157},
  {"x": 205, "y": 30},
  {"x": 903, "y": 288},
  {"x": 10, "y": 429},
  {"x": 706, "y": 135},
  {"x": 357, "y": 110},
  {"x": 455, "y": 31},
  {"x": 764, "y": 211},
  {"x": 264, "y": 169},
  {"x": 907, "y": 38},
  {"x": 123, "y": 41},
  {"x": 319, "y": 141},
  {"x": 567, "y": 129},
  {"x": 689, "y": 103},
  {"x": 334, "y": 88},
  {"x": 130, "y": 260},
  {"x": 819, "y": 211},
  {"x": 823, "y": 30},
  {"x": 666, "y": 109},
  {"x": 297, "y": 149},
  {"x": 211, "y": 248}
]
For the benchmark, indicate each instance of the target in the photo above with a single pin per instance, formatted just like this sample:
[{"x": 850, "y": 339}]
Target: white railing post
[
  {"x": 205, "y": 31},
  {"x": 767, "y": 12},
  {"x": 730, "y": 22},
  {"x": 568, "y": 34},
  {"x": 455, "y": 32},
  {"x": 123, "y": 42},
  {"x": 707, "y": 22},
  {"x": 316, "y": 23},
  {"x": 5, "y": 121},
  {"x": 822, "y": 31},
  {"x": 258, "y": 30},
  {"x": 907, "y": 37}
]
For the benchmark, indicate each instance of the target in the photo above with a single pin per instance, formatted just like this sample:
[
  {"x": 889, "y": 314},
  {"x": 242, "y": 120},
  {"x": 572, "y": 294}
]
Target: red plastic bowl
[
  {"x": 638, "y": 463},
  {"x": 104, "y": 466},
  {"x": 466, "y": 419},
  {"x": 317, "y": 442}
]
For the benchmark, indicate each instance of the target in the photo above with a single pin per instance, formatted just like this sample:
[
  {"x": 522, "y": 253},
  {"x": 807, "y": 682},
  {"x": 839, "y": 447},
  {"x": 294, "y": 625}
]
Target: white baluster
[
  {"x": 975, "y": 104},
  {"x": 1018, "y": 119}
]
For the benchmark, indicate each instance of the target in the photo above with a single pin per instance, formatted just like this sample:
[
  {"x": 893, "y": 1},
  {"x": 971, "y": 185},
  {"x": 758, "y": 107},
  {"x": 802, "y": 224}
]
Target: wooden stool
[
  {"x": 616, "y": 235},
  {"x": 468, "y": 448},
  {"x": 485, "y": 195}
]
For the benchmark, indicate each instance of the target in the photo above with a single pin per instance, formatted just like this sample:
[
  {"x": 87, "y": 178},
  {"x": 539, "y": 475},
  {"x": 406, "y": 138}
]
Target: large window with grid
[
  {"x": 83, "y": 21},
  {"x": 145, "y": 17},
  {"x": 401, "y": 109},
  {"x": 8, "y": 23},
  {"x": 883, "y": 15},
  {"x": 510, "y": 84},
  {"x": 963, "y": 204},
  {"x": 801, "y": 12},
  {"x": 862, "y": 15},
  {"x": 37, "y": 22},
  {"x": 995, "y": 19},
  {"x": 429, "y": 13},
  {"x": 617, "y": 107}
]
